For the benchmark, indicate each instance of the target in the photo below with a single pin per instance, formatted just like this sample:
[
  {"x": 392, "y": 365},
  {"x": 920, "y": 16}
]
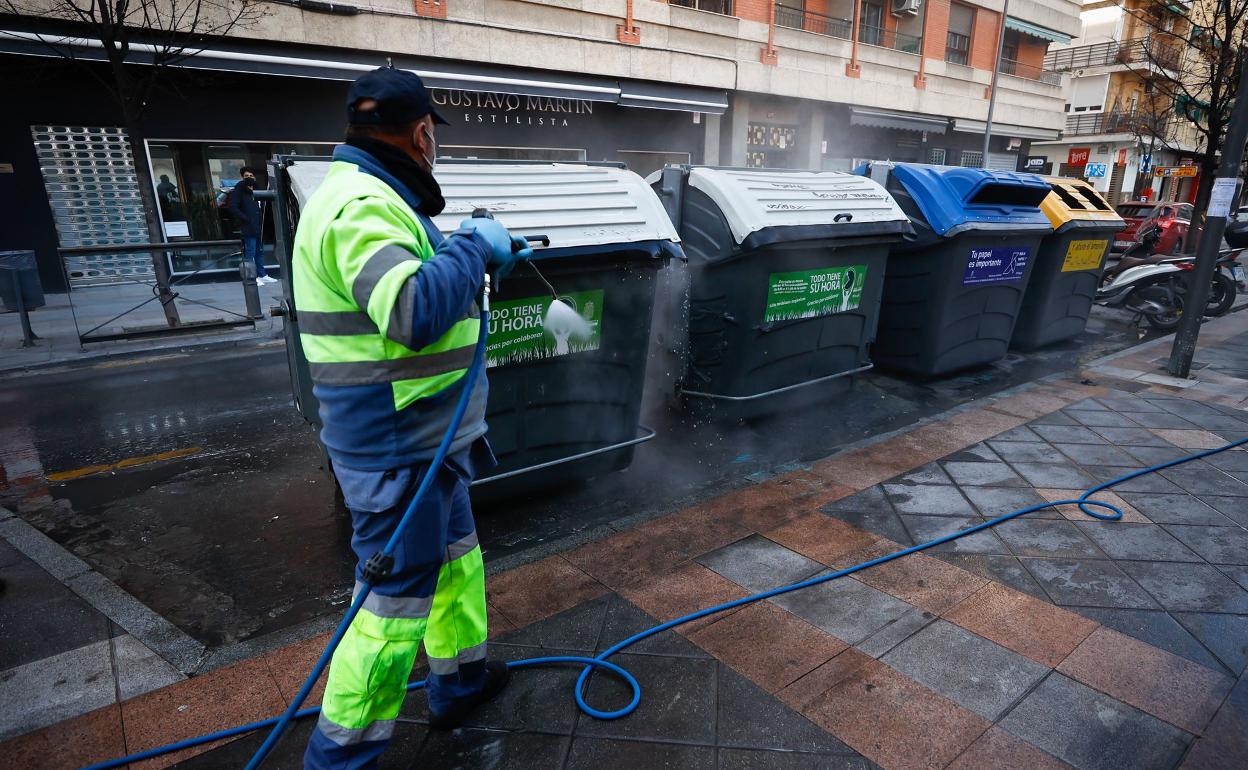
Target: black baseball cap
[{"x": 400, "y": 95}]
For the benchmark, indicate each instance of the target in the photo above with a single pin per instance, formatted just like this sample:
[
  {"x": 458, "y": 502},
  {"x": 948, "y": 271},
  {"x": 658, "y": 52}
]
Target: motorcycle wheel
[
  {"x": 1167, "y": 321},
  {"x": 1221, "y": 295}
]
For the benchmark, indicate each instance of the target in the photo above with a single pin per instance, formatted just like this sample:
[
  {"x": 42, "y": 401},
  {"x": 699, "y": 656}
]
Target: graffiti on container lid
[
  {"x": 789, "y": 186},
  {"x": 842, "y": 196},
  {"x": 458, "y": 207},
  {"x": 787, "y": 206}
]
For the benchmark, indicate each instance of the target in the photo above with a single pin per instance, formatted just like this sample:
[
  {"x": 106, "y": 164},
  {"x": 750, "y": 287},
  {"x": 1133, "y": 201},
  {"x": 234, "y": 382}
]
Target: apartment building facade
[
  {"x": 1122, "y": 132},
  {"x": 791, "y": 84}
]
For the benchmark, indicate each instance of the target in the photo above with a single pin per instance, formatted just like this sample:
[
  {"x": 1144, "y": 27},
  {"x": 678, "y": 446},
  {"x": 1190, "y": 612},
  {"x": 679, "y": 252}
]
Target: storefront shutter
[{"x": 88, "y": 173}]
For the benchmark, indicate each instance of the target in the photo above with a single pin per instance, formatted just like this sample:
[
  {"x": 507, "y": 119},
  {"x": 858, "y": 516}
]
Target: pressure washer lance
[{"x": 560, "y": 315}]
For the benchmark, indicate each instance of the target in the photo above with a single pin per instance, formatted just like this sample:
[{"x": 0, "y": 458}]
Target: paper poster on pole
[{"x": 1221, "y": 196}]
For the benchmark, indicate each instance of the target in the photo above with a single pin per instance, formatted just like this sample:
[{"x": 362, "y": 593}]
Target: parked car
[{"x": 1173, "y": 218}]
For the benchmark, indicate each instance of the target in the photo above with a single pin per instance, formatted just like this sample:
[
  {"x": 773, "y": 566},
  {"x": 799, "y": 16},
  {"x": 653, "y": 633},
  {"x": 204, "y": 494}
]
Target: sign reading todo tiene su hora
[{"x": 510, "y": 109}]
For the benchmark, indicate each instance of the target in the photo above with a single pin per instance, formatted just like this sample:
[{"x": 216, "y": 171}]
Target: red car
[{"x": 1172, "y": 218}]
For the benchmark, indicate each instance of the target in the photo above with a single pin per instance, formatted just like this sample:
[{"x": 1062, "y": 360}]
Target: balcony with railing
[
  {"x": 1161, "y": 50},
  {"x": 1117, "y": 122},
  {"x": 887, "y": 38},
  {"x": 723, "y": 7},
  {"x": 1030, "y": 71},
  {"x": 818, "y": 23}
]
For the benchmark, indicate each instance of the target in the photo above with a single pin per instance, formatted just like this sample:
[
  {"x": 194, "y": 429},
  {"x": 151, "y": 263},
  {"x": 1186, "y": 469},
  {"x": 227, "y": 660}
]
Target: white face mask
[{"x": 432, "y": 157}]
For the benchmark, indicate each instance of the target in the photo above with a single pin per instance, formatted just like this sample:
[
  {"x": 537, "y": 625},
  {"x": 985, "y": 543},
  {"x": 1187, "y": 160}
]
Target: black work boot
[{"x": 497, "y": 675}]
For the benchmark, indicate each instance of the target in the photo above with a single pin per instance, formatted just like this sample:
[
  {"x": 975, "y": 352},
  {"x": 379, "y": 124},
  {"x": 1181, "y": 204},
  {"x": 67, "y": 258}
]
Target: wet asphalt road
[{"x": 227, "y": 524}]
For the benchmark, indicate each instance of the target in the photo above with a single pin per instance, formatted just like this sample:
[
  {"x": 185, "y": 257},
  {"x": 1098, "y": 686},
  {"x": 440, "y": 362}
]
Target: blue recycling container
[{"x": 953, "y": 291}]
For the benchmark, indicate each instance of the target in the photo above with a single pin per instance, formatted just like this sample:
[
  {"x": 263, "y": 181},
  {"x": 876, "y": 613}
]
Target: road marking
[
  {"x": 129, "y": 462},
  {"x": 136, "y": 361}
]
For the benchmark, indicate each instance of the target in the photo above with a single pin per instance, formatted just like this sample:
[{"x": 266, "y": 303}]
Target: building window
[
  {"x": 871, "y": 29},
  {"x": 971, "y": 159},
  {"x": 936, "y": 156},
  {"x": 713, "y": 6},
  {"x": 958, "y": 39}
]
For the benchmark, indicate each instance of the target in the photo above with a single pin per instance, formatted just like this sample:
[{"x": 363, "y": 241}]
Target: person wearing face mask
[
  {"x": 246, "y": 212},
  {"x": 389, "y": 322}
]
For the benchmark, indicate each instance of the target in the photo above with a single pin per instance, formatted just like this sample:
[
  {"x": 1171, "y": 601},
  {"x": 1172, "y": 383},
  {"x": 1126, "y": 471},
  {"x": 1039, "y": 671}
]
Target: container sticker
[
  {"x": 1084, "y": 255},
  {"x": 519, "y": 333},
  {"x": 1000, "y": 265},
  {"x": 813, "y": 293}
]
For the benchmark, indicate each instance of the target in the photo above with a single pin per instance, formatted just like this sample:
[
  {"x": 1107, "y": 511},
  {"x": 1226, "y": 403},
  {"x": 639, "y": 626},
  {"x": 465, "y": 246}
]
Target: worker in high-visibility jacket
[{"x": 389, "y": 320}]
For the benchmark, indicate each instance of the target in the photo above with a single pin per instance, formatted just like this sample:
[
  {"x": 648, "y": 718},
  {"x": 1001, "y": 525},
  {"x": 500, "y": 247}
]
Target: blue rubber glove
[{"x": 505, "y": 249}]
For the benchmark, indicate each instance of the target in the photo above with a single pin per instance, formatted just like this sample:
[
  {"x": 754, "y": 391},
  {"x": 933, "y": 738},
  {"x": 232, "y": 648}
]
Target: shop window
[
  {"x": 770, "y": 146},
  {"x": 511, "y": 153},
  {"x": 936, "y": 156},
  {"x": 192, "y": 202},
  {"x": 169, "y": 191},
  {"x": 644, "y": 162},
  {"x": 971, "y": 159}
]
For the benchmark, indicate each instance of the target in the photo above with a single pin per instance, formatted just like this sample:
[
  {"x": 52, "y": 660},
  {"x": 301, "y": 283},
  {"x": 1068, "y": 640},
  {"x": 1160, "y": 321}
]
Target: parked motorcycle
[
  {"x": 1227, "y": 282},
  {"x": 1154, "y": 290},
  {"x": 1155, "y": 285}
]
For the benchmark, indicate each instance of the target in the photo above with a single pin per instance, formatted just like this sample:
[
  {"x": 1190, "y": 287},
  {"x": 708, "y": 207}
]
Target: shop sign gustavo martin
[{"x": 487, "y": 109}]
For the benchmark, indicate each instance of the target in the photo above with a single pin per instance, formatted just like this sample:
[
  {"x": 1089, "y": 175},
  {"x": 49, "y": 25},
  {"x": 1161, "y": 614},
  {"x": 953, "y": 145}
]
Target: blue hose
[{"x": 1109, "y": 513}]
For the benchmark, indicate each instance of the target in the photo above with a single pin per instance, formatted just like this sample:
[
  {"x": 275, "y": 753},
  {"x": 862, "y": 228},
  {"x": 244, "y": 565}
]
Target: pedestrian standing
[
  {"x": 246, "y": 212},
  {"x": 389, "y": 320}
]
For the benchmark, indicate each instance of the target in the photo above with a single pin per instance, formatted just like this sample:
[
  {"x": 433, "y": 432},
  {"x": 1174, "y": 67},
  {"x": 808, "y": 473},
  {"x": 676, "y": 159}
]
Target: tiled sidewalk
[{"x": 1050, "y": 642}]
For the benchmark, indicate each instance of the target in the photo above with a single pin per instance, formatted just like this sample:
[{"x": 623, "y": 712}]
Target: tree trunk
[
  {"x": 1208, "y": 170},
  {"x": 160, "y": 266},
  {"x": 147, "y": 190}
]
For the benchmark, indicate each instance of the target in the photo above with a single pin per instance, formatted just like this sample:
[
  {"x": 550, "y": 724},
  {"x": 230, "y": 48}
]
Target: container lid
[
  {"x": 576, "y": 205},
  {"x": 1076, "y": 200},
  {"x": 775, "y": 205},
  {"x": 305, "y": 177},
  {"x": 954, "y": 199},
  {"x": 580, "y": 207}
]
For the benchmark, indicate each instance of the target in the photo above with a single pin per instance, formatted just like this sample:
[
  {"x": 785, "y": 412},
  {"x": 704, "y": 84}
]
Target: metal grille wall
[{"x": 88, "y": 173}]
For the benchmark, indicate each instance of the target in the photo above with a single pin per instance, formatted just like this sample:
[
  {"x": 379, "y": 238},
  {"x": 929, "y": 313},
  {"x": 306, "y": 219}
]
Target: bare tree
[
  {"x": 139, "y": 41},
  {"x": 1156, "y": 128},
  {"x": 1194, "y": 70}
]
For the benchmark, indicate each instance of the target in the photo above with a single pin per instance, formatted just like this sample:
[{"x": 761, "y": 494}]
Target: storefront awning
[
  {"x": 962, "y": 125},
  {"x": 346, "y": 66},
  {"x": 669, "y": 97},
  {"x": 1035, "y": 30},
  {"x": 901, "y": 121}
]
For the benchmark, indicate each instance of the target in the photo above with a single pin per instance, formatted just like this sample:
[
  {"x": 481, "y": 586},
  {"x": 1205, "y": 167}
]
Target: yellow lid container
[{"x": 1074, "y": 200}]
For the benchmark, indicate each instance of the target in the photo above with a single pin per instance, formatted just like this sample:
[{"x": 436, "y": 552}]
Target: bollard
[{"x": 247, "y": 274}]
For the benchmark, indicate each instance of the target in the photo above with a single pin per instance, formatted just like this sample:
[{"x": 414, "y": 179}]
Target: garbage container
[
  {"x": 561, "y": 407},
  {"x": 1068, "y": 266},
  {"x": 785, "y": 273},
  {"x": 952, "y": 292},
  {"x": 19, "y": 269}
]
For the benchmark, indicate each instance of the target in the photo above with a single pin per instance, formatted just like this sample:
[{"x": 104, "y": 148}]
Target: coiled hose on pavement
[{"x": 1108, "y": 512}]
